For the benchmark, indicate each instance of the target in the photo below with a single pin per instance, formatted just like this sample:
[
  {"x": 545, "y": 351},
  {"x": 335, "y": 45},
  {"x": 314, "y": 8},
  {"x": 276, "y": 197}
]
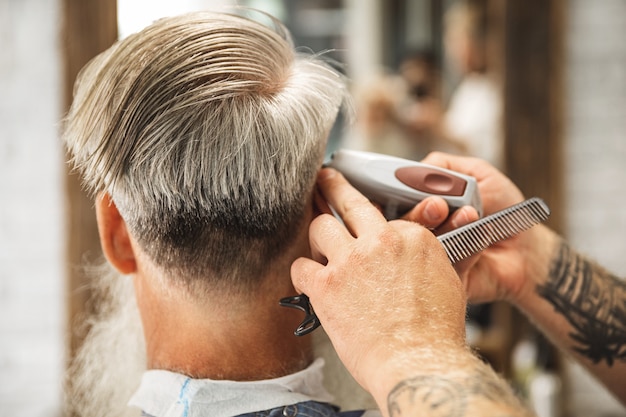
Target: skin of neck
[{"x": 241, "y": 336}]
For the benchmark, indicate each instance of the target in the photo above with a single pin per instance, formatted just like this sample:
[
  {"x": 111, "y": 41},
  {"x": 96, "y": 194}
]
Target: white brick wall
[
  {"x": 596, "y": 135},
  {"x": 595, "y": 155},
  {"x": 31, "y": 223}
]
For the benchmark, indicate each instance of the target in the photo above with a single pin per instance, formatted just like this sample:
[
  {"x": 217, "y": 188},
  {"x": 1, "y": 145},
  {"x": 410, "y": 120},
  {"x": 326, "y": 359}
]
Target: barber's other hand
[
  {"x": 378, "y": 287},
  {"x": 503, "y": 271}
]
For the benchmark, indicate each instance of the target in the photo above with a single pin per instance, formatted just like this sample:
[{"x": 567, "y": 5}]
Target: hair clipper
[{"x": 398, "y": 184}]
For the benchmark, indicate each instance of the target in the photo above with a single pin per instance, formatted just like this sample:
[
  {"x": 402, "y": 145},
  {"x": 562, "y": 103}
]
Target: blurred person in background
[
  {"x": 474, "y": 114},
  {"x": 404, "y": 114},
  {"x": 397, "y": 112}
]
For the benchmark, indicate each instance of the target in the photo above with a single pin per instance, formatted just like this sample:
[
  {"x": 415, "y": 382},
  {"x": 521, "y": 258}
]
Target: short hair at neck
[{"x": 207, "y": 130}]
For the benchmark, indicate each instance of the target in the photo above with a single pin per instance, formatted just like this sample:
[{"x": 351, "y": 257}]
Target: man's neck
[{"x": 224, "y": 338}]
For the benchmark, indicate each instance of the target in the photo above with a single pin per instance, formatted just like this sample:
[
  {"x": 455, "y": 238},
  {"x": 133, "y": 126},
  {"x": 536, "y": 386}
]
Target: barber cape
[{"x": 168, "y": 394}]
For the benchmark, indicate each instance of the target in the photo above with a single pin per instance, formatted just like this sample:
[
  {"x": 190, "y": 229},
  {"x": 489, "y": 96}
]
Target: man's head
[{"x": 206, "y": 131}]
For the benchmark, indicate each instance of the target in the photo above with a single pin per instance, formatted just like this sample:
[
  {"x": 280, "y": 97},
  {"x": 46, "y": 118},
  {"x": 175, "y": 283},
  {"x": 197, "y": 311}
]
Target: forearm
[
  {"x": 581, "y": 307},
  {"x": 452, "y": 383}
]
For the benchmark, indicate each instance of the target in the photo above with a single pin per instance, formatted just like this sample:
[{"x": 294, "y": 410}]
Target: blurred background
[{"x": 537, "y": 87}]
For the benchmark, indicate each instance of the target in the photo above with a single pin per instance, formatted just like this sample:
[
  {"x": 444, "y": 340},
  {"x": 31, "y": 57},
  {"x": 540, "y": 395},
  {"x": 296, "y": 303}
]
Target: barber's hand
[
  {"x": 378, "y": 287},
  {"x": 501, "y": 271}
]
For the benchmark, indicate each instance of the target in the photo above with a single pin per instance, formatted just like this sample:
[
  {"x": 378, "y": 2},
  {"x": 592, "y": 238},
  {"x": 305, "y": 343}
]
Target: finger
[
  {"x": 439, "y": 159},
  {"x": 460, "y": 217},
  {"x": 430, "y": 213},
  {"x": 357, "y": 212},
  {"x": 463, "y": 216},
  {"x": 303, "y": 274},
  {"x": 321, "y": 206},
  {"x": 326, "y": 237},
  {"x": 465, "y": 164}
]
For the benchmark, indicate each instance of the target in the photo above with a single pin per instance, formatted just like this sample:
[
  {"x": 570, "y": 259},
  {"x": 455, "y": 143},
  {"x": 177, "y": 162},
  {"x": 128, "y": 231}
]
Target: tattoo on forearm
[
  {"x": 442, "y": 396},
  {"x": 593, "y": 302}
]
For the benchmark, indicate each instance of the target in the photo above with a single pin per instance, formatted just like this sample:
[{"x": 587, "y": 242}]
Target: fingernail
[
  {"x": 325, "y": 173},
  {"x": 431, "y": 212},
  {"x": 461, "y": 219}
]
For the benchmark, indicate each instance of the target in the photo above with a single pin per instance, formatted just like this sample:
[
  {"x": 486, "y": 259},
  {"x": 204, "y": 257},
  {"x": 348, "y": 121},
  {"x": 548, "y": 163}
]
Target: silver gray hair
[{"x": 207, "y": 130}]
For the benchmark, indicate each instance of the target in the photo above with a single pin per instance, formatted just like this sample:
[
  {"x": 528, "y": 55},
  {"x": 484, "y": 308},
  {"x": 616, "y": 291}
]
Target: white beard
[{"x": 108, "y": 367}]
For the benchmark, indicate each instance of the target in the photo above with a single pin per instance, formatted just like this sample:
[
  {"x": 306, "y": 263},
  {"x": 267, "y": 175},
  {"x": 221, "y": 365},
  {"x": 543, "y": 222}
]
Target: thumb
[{"x": 303, "y": 272}]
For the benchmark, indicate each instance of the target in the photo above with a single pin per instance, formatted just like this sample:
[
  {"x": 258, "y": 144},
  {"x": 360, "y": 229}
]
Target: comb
[
  {"x": 459, "y": 244},
  {"x": 474, "y": 237}
]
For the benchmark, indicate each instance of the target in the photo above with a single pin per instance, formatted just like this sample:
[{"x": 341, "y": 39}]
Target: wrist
[
  {"x": 538, "y": 254},
  {"x": 426, "y": 381},
  {"x": 389, "y": 368}
]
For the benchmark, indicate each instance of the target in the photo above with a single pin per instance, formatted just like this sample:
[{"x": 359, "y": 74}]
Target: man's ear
[{"x": 114, "y": 237}]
